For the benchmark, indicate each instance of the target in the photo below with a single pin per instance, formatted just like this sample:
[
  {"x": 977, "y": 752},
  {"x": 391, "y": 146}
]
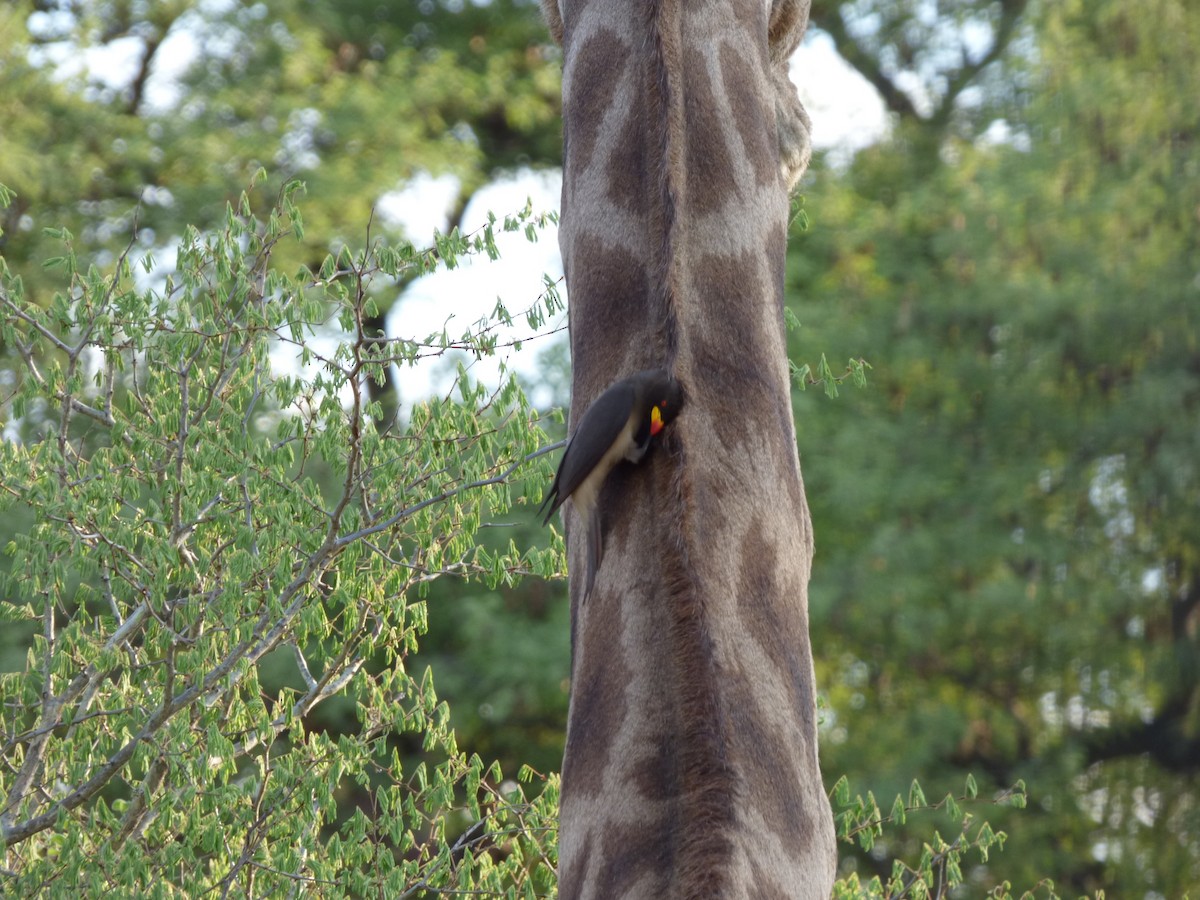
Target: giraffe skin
[{"x": 691, "y": 767}]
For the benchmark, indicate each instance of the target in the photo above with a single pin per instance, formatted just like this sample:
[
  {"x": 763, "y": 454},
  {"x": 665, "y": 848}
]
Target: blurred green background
[{"x": 1007, "y": 580}]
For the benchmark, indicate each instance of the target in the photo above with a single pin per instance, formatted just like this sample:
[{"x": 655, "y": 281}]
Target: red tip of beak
[{"x": 656, "y": 422}]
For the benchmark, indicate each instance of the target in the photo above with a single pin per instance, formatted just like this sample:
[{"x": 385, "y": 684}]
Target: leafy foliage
[
  {"x": 218, "y": 548},
  {"x": 354, "y": 98},
  {"x": 1007, "y": 580},
  {"x": 940, "y": 867}
]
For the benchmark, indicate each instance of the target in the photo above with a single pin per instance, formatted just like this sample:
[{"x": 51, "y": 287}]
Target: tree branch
[
  {"x": 828, "y": 18},
  {"x": 1010, "y": 16},
  {"x": 1166, "y": 739},
  {"x": 137, "y": 89}
]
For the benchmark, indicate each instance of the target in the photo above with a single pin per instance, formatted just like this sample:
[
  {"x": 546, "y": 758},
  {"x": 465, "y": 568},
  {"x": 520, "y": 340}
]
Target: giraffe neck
[{"x": 691, "y": 765}]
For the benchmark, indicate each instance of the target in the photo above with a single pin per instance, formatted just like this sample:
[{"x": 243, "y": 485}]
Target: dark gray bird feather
[{"x": 618, "y": 426}]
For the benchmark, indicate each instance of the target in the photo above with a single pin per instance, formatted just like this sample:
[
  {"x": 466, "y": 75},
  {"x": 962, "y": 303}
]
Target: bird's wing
[{"x": 600, "y": 426}]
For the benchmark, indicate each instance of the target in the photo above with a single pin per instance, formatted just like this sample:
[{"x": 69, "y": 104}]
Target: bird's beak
[{"x": 656, "y": 422}]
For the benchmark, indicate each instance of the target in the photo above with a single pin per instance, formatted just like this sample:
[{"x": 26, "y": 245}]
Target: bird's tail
[
  {"x": 595, "y": 548},
  {"x": 548, "y": 502}
]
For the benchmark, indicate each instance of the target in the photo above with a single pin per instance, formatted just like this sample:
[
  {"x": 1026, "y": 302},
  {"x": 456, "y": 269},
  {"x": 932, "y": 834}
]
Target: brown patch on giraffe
[
  {"x": 708, "y": 164},
  {"x": 759, "y": 750},
  {"x": 753, "y": 119},
  {"x": 593, "y": 83},
  {"x": 618, "y": 287},
  {"x": 629, "y": 171},
  {"x": 637, "y": 853},
  {"x": 781, "y": 637},
  {"x": 656, "y": 775},
  {"x": 728, "y": 354},
  {"x": 598, "y": 702}
]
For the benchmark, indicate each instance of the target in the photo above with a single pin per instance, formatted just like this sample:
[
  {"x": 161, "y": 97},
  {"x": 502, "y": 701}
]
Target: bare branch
[{"x": 830, "y": 21}]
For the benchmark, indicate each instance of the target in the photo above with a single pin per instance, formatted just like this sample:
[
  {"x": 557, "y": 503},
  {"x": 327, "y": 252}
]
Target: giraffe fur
[{"x": 691, "y": 761}]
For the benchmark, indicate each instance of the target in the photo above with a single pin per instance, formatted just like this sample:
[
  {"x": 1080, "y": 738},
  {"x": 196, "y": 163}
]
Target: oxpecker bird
[{"x": 617, "y": 426}]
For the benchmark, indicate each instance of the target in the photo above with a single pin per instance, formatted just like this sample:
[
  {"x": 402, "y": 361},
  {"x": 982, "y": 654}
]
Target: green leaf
[{"x": 916, "y": 796}]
